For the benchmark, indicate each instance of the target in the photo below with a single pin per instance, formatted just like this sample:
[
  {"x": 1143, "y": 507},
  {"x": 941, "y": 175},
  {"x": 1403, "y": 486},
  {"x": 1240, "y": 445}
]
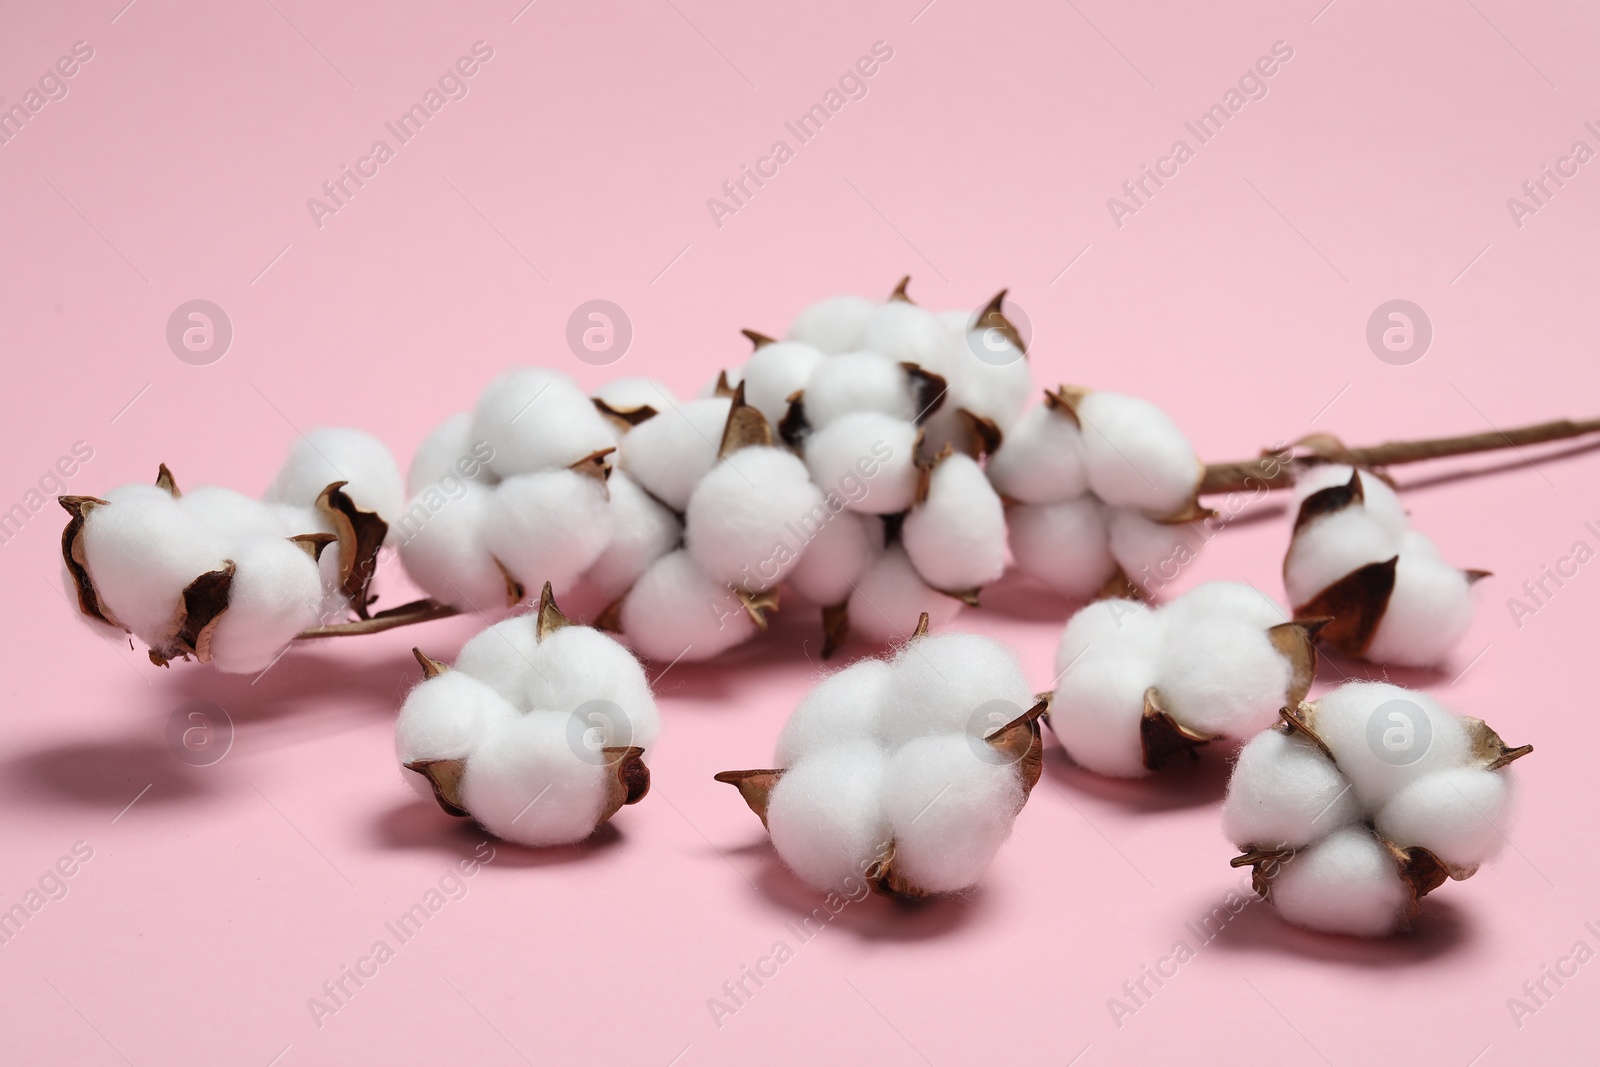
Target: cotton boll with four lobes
[
  {"x": 1384, "y": 737},
  {"x": 630, "y": 394},
  {"x": 1222, "y": 676},
  {"x": 1429, "y": 612},
  {"x": 336, "y": 454},
  {"x": 1064, "y": 546},
  {"x": 956, "y": 538},
  {"x": 669, "y": 454},
  {"x": 871, "y": 449},
  {"x": 950, "y": 810},
  {"x": 524, "y": 784},
  {"x": 739, "y": 517},
  {"x": 580, "y": 671},
  {"x": 1096, "y": 712},
  {"x": 1346, "y": 883},
  {"x": 906, "y": 333},
  {"x": 1330, "y": 547},
  {"x": 775, "y": 372},
  {"x": 835, "y": 325},
  {"x": 1285, "y": 793},
  {"x": 1040, "y": 459},
  {"x": 1454, "y": 814},
  {"x": 444, "y": 551},
  {"x": 446, "y": 717},
  {"x": 1234, "y": 600},
  {"x": 548, "y": 527},
  {"x": 677, "y": 610},
  {"x": 842, "y": 707},
  {"x": 856, "y": 382},
  {"x": 943, "y": 680},
  {"x": 503, "y": 656},
  {"x": 890, "y": 597},
  {"x": 1114, "y": 627},
  {"x": 537, "y": 420},
  {"x": 1379, "y": 498},
  {"x": 232, "y": 514},
  {"x": 275, "y": 594},
  {"x": 826, "y": 817},
  {"x": 1136, "y": 456},
  {"x": 836, "y": 556},
  {"x": 642, "y": 531},
  {"x": 1145, "y": 548}
]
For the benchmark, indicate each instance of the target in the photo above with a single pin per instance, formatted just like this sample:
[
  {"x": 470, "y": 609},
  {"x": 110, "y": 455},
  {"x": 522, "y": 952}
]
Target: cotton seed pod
[
  {"x": 775, "y": 371},
  {"x": 1064, "y": 546},
  {"x": 860, "y": 381},
  {"x": 904, "y": 332},
  {"x": 955, "y": 535},
  {"x": 670, "y": 453},
  {"x": 835, "y": 325},
  {"x": 678, "y": 611},
  {"x": 541, "y": 748},
  {"x": 866, "y": 450},
  {"x": 450, "y": 451},
  {"x": 1041, "y": 459},
  {"x": 988, "y": 369},
  {"x": 1134, "y": 455},
  {"x": 1357, "y": 805},
  {"x": 443, "y": 550},
  {"x": 890, "y": 590},
  {"x": 363, "y": 463},
  {"x": 534, "y": 419},
  {"x": 554, "y": 523},
  {"x": 903, "y": 775}
]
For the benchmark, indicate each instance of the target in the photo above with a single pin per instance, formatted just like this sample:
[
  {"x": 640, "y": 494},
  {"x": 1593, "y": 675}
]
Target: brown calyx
[
  {"x": 361, "y": 535},
  {"x": 991, "y": 317}
]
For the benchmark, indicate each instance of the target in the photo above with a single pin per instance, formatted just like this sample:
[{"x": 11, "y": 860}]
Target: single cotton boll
[
  {"x": 1454, "y": 814},
  {"x": 1384, "y": 737},
  {"x": 826, "y": 816},
  {"x": 629, "y": 394},
  {"x": 866, "y": 449},
  {"x": 950, "y": 810},
  {"x": 834, "y": 325},
  {"x": 1064, "y": 546},
  {"x": 891, "y": 596},
  {"x": 1347, "y": 883},
  {"x": 275, "y": 594},
  {"x": 233, "y": 514},
  {"x": 1222, "y": 677},
  {"x": 956, "y": 538},
  {"x": 836, "y": 556},
  {"x": 907, "y": 333},
  {"x": 1040, "y": 460},
  {"x": 1379, "y": 498},
  {"x": 445, "y": 718},
  {"x": 548, "y": 527},
  {"x": 957, "y": 683},
  {"x": 580, "y": 671},
  {"x": 503, "y": 656},
  {"x": 677, "y": 610},
  {"x": 524, "y": 784},
  {"x": 1147, "y": 549},
  {"x": 859, "y": 381},
  {"x": 1096, "y": 712},
  {"x": 449, "y": 450},
  {"x": 775, "y": 372},
  {"x": 669, "y": 454},
  {"x": 1429, "y": 612},
  {"x": 1136, "y": 456},
  {"x": 1329, "y": 548},
  {"x": 443, "y": 550},
  {"x": 535, "y": 420},
  {"x": 143, "y": 551},
  {"x": 1285, "y": 793},
  {"x": 996, "y": 385},
  {"x": 1230, "y": 600},
  {"x": 642, "y": 531},
  {"x": 740, "y": 523},
  {"x": 336, "y": 454},
  {"x": 841, "y": 707},
  {"x": 1112, "y": 628}
]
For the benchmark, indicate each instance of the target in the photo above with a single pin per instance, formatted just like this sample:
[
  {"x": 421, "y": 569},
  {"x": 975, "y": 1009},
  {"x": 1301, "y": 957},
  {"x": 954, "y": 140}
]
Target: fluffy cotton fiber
[
  {"x": 956, "y": 537},
  {"x": 676, "y": 610},
  {"x": 743, "y": 520}
]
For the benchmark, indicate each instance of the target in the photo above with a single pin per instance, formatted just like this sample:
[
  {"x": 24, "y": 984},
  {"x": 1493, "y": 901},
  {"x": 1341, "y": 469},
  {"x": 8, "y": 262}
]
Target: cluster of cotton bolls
[
  {"x": 905, "y": 773},
  {"x": 227, "y": 578},
  {"x": 1363, "y": 801},
  {"x": 1100, "y": 490},
  {"x": 1354, "y": 559},
  {"x": 537, "y": 732},
  {"x": 1140, "y": 684}
]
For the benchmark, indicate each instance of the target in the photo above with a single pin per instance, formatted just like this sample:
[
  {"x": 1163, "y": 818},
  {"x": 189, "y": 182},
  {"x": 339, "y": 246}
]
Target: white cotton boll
[
  {"x": 1429, "y": 612},
  {"x": 442, "y": 548},
  {"x": 775, "y": 372},
  {"x": 844, "y": 706},
  {"x": 1221, "y": 676},
  {"x": 834, "y": 325},
  {"x": 740, "y": 523},
  {"x": 445, "y": 718},
  {"x": 1285, "y": 793},
  {"x": 503, "y": 656},
  {"x": 1145, "y": 548},
  {"x": 1457, "y": 815},
  {"x": 956, "y": 538},
  {"x": 1330, "y": 547},
  {"x": 143, "y": 551},
  {"x": 1115, "y": 627},
  {"x": 548, "y": 527},
  {"x": 951, "y": 682},
  {"x": 580, "y": 671},
  {"x": 1096, "y": 712},
  {"x": 891, "y": 596},
  {"x": 950, "y": 809},
  {"x": 907, "y": 333},
  {"x": 536, "y": 420},
  {"x": 1380, "y": 500},
  {"x": 677, "y": 610},
  {"x": 642, "y": 531},
  {"x": 996, "y": 385},
  {"x": 1229, "y": 600},
  {"x": 1040, "y": 460},
  {"x": 233, "y": 514},
  {"x": 337, "y": 454},
  {"x": 628, "y": 394},
  {"x": 1347, "y": 883},
  {"x": 1385, "y": 737},
  {"x": 868, "y": 449},
  {"x": 1417, "y": 543},
  {"x": 449, "y": 450},
  {"x": 855, "y": 382},
  {"x": 669, "y": 454},
  {"x": 1064, "y": 546},
  {"x": 836, "y": 556},
  {"x": 296, "y": 519},
  {"x": 826, "y": 816},
  {"x": 276, "y": 593},
  {"x": 1136, "y": 456},
  {"x": 523, "y": 783}
]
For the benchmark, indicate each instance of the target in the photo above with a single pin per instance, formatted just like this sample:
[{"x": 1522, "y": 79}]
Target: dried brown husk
[
  {"x": 77, "y": 562},
  {"x": 625, "y": 419},
  {"x": 758, "y": 340},
  {"x": 835, "y": 627},
  {"x": 793, "y": 429},
  {"x": 596, "y": 465},
  {"x": 991, "y": 317},
  {"x": 195, "y": 620},
  {"x": 758, "y": 605},
  {"x": 746, "y": 427},
  {"x": 1163, "y": 738},
  {"x": 981, "y": 435},
  {"x": 928, "y": 390},
  {"x": 361, "y": 533}
]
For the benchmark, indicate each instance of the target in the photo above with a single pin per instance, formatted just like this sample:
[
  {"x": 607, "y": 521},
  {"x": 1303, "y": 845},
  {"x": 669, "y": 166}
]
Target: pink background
[{"x": 178, "y": 167}]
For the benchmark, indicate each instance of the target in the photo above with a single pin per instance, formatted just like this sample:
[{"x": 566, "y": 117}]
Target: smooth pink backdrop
[{"x": 578, "y": 167}]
